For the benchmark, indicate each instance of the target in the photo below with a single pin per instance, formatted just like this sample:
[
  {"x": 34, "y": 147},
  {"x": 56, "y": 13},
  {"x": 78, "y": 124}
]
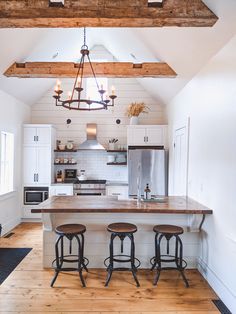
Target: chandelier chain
[{"x": 84, "y": 36}]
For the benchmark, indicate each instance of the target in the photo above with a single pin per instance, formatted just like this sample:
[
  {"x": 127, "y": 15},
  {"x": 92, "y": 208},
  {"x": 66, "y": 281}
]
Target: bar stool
[
  {"x": 168, "y": 232},
  {"x": 70, "y": 231},
  {"x": 122, "y": 230}
]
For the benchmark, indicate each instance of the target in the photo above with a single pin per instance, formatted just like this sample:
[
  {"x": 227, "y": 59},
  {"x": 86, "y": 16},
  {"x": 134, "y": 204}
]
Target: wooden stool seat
[
  {"x": 70, "y": 229},
  {"x": 168, "y": 229},
  {"x": 122, "y": 227}
]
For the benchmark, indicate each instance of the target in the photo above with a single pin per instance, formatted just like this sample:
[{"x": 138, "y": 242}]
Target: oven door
[{"x": 33, "y": 197}]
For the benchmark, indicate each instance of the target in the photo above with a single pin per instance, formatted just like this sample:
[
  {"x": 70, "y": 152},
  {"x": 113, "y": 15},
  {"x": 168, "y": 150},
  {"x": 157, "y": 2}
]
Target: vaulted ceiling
[{"x": 186, "y": 50}]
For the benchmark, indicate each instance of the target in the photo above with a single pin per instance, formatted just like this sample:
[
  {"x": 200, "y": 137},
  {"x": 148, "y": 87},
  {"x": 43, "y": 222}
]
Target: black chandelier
[{"x": 74, "y": 100}]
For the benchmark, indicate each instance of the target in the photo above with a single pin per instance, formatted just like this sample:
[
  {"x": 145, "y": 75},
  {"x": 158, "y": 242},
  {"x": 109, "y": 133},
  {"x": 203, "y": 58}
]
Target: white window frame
[{"x": 7, "y": 158}]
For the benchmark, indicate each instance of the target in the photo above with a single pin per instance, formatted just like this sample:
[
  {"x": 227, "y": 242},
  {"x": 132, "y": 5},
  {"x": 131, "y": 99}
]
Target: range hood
[{"x": 91, "y": 143}]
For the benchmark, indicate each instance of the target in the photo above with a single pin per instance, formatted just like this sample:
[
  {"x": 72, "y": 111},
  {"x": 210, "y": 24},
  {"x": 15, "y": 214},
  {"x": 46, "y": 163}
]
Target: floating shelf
[
  {"x": 65, "y": 151},
  {"x": 65, "y": 164},
  {"x": 117, "y": 163},
  {"x": 117, "y": 151}
]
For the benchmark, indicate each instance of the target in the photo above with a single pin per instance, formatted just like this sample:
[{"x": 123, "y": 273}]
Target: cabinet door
[
  {"x": 120, "y": 191},
  {"x": 43, "y": 165},
  {"x": 137, "y": 136},
  {"x": 155, "y": 136},
  {"x": 61, "y": 190},
  {"x": 30, "y": 136},
  {"x": 43, "y": 136},
  {"x": 30, "y": 165}
]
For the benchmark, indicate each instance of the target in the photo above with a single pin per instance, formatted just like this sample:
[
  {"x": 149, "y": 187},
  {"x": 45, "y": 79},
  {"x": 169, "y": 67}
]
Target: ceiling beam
[
  {"x": 102, "y": 69},
  {"x": 105, "y": 13}
]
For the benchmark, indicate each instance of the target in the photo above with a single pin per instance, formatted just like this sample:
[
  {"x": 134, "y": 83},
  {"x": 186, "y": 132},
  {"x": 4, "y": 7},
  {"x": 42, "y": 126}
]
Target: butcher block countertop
[{"x": 103, "y": 204}]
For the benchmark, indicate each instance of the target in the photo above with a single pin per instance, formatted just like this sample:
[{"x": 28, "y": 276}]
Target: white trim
[
  {"x": 7, "y": 195},
  {"x": 223, "y": 291},
  {"x": 8, "y": 226}
]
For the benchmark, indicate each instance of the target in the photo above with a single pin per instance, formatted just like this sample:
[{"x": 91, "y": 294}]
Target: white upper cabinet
[
  {"x": 38, "y": 154},
  {"x": 147, "y": 135},
  {"x": 37, "y": 135}
]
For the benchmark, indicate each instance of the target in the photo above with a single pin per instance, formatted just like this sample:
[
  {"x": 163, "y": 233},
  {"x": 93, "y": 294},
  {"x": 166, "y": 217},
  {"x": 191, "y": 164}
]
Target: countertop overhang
[{"x": 103, "y": 204}]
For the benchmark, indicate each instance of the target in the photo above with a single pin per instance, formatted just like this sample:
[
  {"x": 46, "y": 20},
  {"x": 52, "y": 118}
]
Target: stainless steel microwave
[{"x": 35, "y": 195}]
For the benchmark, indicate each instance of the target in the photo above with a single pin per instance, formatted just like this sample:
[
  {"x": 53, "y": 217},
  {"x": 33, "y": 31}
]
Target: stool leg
[
  {"x": 80, "y": 261},
  {"x": 133, "y": 268},
  {"x": 57, "y": 261},
  {"x": 62, "y": 252},
  {"x": 158, "y": 259},
  {"x": 180, "y": 266},
  {"x": 82, "y": 249},
  {"x": 155, "y": 259},
  {"x": 111, "y": 263}
]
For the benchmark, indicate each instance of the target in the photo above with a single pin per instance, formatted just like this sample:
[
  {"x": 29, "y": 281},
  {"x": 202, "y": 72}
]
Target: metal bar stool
[
  {"x": 70, "y": 231},
  {"x": 168, "y": 231},
  {"x": 122, "y": 230}
]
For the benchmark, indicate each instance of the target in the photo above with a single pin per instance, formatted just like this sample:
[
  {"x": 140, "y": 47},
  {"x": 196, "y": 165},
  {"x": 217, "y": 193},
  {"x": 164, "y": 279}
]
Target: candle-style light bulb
[
  {"x": 113, "y": 90},
  {"x": 79, "y": 81},
  {"x": 58, "y": 84},
  {"x": 69, "y": 95},
  {"x": 101, "y": 86}
]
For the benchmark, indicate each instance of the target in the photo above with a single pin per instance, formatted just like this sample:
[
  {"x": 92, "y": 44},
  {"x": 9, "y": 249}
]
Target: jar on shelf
[{"x": 70, "y": 145}]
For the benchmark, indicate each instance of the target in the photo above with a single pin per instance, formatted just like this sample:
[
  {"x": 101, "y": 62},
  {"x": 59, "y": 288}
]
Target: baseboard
[
  {"x": 8, "y": 226},
  {"x": 31, "y": 220},
  {"x": 224, "y": 292}
]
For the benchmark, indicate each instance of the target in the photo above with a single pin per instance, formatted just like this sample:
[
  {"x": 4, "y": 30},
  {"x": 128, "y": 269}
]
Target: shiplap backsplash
[{"x": 127, "y": 90}]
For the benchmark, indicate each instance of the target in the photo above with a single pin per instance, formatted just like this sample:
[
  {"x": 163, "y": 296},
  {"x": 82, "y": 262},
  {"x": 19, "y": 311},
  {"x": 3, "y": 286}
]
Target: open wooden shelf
[
  {"x": 117, "y": 151},
  {"x": 65, "y": 151},
  {"x": 65, "y": 164},
  {"x": 117, "y": 163}
]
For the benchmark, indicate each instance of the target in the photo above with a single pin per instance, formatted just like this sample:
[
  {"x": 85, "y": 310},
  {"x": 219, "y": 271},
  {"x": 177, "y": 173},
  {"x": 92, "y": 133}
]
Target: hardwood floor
[{"x": 27, "y": 289}]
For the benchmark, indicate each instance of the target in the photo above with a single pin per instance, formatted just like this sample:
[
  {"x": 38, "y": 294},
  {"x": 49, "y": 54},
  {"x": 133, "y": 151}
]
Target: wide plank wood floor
[{"x": 27, "y": 289}]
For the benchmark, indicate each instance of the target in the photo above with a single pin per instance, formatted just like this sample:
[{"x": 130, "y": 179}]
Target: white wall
[
  {"x": 210, "y": 102},
  {"x": 127, "y": 90},
  {"x": 13, "y": 114}
]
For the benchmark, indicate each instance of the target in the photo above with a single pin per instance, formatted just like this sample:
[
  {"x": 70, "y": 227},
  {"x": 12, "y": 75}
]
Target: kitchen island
[{"x": 96, "y": 212}]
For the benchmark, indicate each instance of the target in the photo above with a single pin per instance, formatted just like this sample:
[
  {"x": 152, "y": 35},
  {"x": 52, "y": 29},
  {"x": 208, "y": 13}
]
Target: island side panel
[{"x": 97, "y": 238}]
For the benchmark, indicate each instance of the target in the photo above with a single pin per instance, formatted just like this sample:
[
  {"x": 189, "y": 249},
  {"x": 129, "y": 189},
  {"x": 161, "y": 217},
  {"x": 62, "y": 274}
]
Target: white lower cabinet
[
  {"x": 26, "y": 212},
  {"x": 121, "y": 191},
  {"x": 61, "y": 190}
]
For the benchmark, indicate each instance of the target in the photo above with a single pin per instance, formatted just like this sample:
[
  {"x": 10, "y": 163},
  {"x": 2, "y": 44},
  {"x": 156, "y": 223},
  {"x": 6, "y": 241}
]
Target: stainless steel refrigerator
[{"x": 147, "y": 166}]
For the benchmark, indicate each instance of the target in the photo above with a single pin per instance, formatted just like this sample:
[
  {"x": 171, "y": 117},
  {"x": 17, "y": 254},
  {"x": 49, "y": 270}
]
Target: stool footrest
[
  {"x": 172, "y": 259},
  {"x": 85, "y": 262},
  {"x": 117, "y": 260}
]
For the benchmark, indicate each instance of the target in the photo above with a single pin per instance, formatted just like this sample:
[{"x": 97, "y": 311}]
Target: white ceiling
[{"x": 186, "y": 50}]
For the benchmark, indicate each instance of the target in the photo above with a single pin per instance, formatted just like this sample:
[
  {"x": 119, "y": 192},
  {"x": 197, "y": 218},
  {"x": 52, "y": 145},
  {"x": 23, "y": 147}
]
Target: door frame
[{"x": 185, "y": 123}]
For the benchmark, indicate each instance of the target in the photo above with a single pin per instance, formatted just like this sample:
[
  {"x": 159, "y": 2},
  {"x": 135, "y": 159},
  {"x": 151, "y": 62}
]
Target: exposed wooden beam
[
  {"x": 105, "y": 13},
  {"x": 102, "y": 69}
]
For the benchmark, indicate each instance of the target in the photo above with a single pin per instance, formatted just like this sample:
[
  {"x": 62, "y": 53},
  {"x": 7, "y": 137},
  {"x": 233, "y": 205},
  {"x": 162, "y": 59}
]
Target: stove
[{"x": 90, "y": 187}]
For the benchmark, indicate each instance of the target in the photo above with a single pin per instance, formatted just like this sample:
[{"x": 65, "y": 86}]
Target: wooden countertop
[{"x": 102, "y": 204}]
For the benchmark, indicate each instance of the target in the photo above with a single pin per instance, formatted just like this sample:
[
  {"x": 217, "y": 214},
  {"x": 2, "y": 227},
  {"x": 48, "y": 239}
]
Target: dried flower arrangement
[{"x": 135, "y": 109}]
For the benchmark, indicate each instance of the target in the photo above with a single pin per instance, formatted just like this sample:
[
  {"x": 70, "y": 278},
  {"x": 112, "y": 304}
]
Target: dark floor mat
[
  {"x": 221, "y": 307},
  {"x": 9, "y": 259}
]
